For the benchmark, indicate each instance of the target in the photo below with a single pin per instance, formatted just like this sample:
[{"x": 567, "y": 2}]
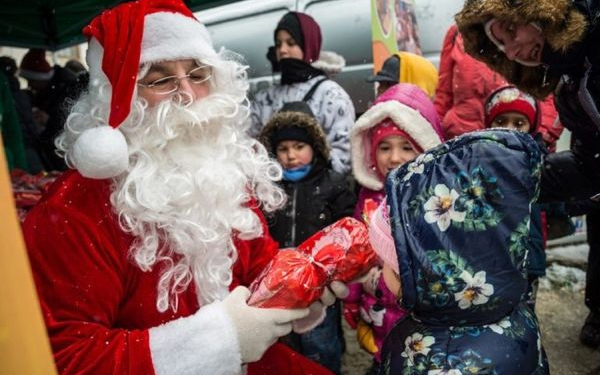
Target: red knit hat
[
  {"x": 122, "y": 39},
  {"x": 385, "y": 129},
  {"x": 35, "y": 66},
  {"x": 511, "y": 99}
]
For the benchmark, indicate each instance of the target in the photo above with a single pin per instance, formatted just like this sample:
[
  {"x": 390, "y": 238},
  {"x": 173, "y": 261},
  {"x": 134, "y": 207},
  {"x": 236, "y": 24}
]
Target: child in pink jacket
[{"x": 401, "y": 124}]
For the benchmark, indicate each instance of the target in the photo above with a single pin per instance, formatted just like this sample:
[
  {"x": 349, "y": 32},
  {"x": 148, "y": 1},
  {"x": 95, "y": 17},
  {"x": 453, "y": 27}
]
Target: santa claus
[{"x": 134, "y": 250}]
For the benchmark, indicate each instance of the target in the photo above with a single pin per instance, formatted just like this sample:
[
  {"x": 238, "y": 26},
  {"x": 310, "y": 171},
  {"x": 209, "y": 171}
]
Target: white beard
[{"x": 192, "y": 172}]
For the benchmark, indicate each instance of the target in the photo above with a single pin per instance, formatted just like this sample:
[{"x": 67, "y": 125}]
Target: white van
[{"x": 246, "y": 27}]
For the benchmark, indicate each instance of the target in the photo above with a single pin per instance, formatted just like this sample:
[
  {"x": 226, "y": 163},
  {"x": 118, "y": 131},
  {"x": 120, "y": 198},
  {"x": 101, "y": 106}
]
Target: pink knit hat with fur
[{"x": 380, "y": 237}]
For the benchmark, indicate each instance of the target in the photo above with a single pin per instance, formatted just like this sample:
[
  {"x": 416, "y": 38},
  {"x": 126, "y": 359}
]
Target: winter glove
[
  {"x": 336, "y": 289},
  {"x": 257, "y": 328}
]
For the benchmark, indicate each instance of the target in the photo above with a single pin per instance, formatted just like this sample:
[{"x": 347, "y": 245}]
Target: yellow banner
[{"x": 393, "y": 28}]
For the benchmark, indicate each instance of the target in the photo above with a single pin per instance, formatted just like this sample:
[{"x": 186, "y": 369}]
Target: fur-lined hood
[
  {"x": 562, "y": 22},
  {"x": 302, "y": 120},
  {"x": 329, "y": 62},
  {"x": 411, "y": 110}
]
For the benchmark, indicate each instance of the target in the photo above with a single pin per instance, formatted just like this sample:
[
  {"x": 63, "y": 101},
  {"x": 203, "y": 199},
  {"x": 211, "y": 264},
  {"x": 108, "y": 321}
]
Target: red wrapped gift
[
  {"x": 368, "y": 208},
  {"x": 296, "y": 278}
]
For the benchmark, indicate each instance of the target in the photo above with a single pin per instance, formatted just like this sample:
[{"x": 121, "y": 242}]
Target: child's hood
[
  {"x": 302, "y": 120},
  {"x": 411, "y": 110}
]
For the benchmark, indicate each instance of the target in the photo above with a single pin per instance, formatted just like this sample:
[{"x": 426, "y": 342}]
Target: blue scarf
[{"x": 296, "y": 174}]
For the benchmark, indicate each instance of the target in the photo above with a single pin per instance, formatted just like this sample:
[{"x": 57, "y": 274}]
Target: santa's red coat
[{"x": 97, "y": 304}]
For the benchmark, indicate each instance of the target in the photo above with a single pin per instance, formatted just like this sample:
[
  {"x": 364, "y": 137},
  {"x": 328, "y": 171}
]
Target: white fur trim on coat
[
  {"x": 203, "y": 343},
  {"x": 405, "y": 117},
  {"x": 173, "y": 36},
  {"x": 329, "y": 62}
]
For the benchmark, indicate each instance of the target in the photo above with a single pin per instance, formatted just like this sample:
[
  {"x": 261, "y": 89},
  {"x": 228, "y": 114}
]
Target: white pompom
[{"x": 100, "y": 153}]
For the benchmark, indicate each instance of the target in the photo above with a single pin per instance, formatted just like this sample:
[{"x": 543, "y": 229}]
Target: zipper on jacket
[{"x": 293, "y": 234}]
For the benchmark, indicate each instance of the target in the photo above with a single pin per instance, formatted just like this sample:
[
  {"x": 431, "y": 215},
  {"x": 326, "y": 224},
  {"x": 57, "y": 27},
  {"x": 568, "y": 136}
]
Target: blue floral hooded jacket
[{"x": 460, "y": 218}]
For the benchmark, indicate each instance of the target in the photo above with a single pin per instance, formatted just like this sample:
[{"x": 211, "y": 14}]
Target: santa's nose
[{"x": 185, "y": 92}]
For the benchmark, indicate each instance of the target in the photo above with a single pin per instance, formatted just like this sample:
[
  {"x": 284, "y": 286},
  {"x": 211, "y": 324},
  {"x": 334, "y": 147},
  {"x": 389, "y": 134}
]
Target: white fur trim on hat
[
  {"x": 100, "y": 152},
  {"x": 405, "y": 118},
  {"x": 173, "y": 36},
  {"x": 329, "y": 62}
]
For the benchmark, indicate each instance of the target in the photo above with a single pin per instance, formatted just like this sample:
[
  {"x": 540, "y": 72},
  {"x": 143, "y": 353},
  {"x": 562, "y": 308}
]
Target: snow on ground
[
  {"x": 566, "y": 263},
  {"x": 558, "y": 276}
]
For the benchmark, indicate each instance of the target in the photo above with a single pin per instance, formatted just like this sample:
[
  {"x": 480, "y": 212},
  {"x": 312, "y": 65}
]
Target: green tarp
[{"x": 56, "y": 24}]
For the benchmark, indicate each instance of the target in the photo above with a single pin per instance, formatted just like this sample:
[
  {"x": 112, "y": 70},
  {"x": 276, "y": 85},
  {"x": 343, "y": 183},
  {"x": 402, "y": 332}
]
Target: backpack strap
[{"x": 312, "y": 90}]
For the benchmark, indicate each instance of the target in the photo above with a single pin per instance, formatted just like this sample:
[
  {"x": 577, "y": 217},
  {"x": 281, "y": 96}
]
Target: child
[
  {"x": 510, "y": 108},
  {"x": 455, "y": 245},
  {"x": 400, "y": 125},
  {"x": 317, "y": 197},
  {"x": 406, "y": 67}
]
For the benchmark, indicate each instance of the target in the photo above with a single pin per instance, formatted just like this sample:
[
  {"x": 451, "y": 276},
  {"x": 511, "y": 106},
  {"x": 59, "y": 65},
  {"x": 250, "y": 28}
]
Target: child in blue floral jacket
[{"x": 459, "y": 219}]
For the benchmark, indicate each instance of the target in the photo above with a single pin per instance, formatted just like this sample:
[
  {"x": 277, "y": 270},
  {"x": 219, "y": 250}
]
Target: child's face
[
  {"x": 294, "y": 154},
  {"x": 286, "y": 47},
  {"x": 512, "y": 120},
  {"x": 392, "y": 152}
]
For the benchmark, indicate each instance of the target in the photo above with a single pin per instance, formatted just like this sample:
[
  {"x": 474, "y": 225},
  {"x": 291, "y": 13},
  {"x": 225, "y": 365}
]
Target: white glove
[
  {"x": 257, "y": 328},
  {"x": 336, "y": 289}
]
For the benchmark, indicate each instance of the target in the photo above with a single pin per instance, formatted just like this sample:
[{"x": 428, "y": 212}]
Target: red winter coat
[
  {"x": 464, "y": 85},
  {"x": 97, "y": 305}
]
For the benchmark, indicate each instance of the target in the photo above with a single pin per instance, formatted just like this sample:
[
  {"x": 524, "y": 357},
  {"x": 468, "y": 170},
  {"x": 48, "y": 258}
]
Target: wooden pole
[{"x": 24, "y": 345}]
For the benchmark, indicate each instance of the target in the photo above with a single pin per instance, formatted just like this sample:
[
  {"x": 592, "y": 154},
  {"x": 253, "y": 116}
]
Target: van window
[
  {"x": 246, "y": 27},
  {"x": 434, "y": 18},
  {"x": 346, "y": 29},
  {"x": 249, "y": 33}
]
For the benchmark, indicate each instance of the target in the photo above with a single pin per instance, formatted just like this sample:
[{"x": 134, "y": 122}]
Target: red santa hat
[
  {"x": 35, "y": 66},
  {"x": 122, "y": 39}
]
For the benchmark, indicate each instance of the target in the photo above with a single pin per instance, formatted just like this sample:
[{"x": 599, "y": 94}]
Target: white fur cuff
[{"x": 203, "y": 343}]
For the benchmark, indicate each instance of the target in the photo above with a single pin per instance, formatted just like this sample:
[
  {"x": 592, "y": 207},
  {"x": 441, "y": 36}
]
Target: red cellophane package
[{"x": 296, "y": 278}]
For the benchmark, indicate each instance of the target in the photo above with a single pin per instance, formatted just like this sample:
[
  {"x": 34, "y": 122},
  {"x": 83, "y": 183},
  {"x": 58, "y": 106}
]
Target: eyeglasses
[{"x": 170, "y": 84}]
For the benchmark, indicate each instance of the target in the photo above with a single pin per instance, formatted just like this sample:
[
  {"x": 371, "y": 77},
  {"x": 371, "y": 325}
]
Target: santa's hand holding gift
[
  {"x": 315, "y": 273},
  {"x": 136, "y": 249}
]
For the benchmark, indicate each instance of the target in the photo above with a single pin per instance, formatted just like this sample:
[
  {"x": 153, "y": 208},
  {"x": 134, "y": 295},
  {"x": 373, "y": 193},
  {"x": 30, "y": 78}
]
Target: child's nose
[{"x": 396, "y": 156}]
